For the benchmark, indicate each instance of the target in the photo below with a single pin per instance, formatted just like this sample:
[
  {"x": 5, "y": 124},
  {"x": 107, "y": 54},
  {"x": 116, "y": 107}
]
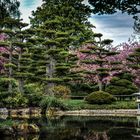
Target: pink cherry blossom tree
[{"x": 94, "y": 60}]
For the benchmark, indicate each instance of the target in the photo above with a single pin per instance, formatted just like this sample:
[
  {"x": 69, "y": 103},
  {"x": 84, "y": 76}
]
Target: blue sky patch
[{"x": 29, "y": 3}]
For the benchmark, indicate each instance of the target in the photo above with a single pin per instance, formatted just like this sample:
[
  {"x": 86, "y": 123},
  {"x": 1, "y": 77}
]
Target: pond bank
[
  {"x": 115, "y": 112},
  {"x": 36, "y": 112}
]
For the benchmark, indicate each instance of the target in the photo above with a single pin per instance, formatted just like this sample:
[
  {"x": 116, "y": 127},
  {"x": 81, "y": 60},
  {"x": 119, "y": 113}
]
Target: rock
[
  {"x": 26, "y": 128},
  {"x": 3, "y": 116},
  {"x": 3, "y": 111},
  {"x": 23, "y": 111}
]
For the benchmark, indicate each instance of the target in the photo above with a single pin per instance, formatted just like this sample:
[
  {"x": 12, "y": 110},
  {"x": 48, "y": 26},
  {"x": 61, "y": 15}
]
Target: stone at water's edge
[
  {"x": 26, "y": 128},
  {"x": 24, "y": 111},
  {"x": 3, "y": 111},
  {"x": 19, "y": 129}
]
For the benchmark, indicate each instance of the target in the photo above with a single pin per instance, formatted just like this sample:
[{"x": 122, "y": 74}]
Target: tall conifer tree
[{"x": 64, "y": 25}]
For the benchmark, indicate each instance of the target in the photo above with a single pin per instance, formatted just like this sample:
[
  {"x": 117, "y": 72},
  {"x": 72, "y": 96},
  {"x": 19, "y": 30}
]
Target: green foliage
[
  {"x": 100, "y": 97},
  {"x": 53, "y": 80},
  {"x": 103, "y": 74},
  {"x": 4, "y": 44},
  {"x": 10, "y": 65},
  {"x": 8, "y": 123},
  {"x": 82, "y": 89},
  {"x": 126, "y": 75},
  {"x": 119, "y": 86},
  {"x": 61, "y": 91},
  {"x": 4, "y": 82},
  {"x": 33, "y": 94},
  {"x": 50, "y": 101},
  {"x": 16, "y": 100}
]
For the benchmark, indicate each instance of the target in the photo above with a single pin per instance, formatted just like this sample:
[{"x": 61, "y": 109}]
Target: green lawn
[{"x": 81, "y": 104}]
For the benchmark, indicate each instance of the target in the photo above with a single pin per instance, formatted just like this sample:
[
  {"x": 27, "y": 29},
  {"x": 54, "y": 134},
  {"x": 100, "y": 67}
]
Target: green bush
[
  {"x": 33, "y": 93},
  {"x": 61, "y": 91},
  {"x": 99, "y": 97},
  {"x": 119, "y": 86},
  {"x": 16, "y": 100},
  {"x": 50, "y": 101},
  {"x": 82, "y": 89},
  {"x": 4, "y": 82}
]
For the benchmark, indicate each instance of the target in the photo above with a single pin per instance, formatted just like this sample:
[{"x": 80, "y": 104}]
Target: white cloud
[{"x": 118, "y": 27}]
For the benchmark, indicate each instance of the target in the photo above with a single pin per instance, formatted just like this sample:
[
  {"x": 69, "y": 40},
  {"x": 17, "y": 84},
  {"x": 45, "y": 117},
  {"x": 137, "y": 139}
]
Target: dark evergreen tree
[
  {"x": 134, "y": 64},
  {"x": 122, "y": 84},
  {"x": 8, "y": 8},
  {"x": 62, "y": 27},
  {"x": 15, "y": 43},
  {"x": 24, "y": 60},
  {"x": 110, "y": 7}
]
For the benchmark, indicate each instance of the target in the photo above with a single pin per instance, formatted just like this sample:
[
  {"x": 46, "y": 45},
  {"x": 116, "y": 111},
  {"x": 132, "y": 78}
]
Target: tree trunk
[
  {"x": 49, "y": 74},
  {"x": 20, "y": 80},
  {"x": 100, "y": 85},
  {"x": 20, "y": 85},
  {"x": 10, "y": 71}
]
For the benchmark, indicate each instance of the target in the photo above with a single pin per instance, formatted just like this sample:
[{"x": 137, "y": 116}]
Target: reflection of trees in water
[
  {"x": 96, "y": 136},
  {"x": 90, "y": 128},
  {"x": 81, "y": 128}
]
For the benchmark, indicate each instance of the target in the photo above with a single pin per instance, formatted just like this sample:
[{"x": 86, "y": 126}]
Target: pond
[{"x": 77, "y": 128}]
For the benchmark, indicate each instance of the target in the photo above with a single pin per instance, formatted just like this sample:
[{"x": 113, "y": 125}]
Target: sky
[{"x": 118, "y": 27}]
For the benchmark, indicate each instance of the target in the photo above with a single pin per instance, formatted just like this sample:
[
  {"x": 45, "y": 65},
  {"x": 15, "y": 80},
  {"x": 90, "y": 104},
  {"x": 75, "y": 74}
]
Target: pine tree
[
  {"x": 17, "y": 45},
  {"x": 8, "y": 8},
  {"x": 134, "y": 64},
  {"x": 96, "y": 59},
  {"x": 24, "y": 60},
  {"x": 63, "y": 27}
]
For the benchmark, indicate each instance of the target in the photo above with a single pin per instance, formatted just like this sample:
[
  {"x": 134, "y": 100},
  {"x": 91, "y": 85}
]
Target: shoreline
[
  {"x": 86, "y": 112},
  {"x": 103, "y": 112}
]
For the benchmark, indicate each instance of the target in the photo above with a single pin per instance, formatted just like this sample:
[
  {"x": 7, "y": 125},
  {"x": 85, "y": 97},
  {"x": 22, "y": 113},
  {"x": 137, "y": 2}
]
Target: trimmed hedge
[{"x": 100, "y": 97}]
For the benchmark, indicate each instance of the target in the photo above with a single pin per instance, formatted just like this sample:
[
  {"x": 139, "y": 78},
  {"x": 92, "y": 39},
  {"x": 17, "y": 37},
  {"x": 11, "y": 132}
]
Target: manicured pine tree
[
  {"x": 96, "y": 60},
  {"x": 24, "y": 60},
  {"x": 18, "y": 48},
  {"x": 134, "y": 63},
  {"x": 62, "y": 26},
  {"x": 55, "y": 52},
  {"x": 38, "y": 56}
]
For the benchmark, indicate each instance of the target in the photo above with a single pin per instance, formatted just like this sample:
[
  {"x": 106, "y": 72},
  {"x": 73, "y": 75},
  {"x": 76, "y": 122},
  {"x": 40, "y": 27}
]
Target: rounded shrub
[{"x": 100, "y": 97}]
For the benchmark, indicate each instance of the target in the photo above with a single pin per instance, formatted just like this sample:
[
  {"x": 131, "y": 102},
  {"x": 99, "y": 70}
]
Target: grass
[
  {"x": 81, "y": 104},
  {"x": 7, "y": 123}
]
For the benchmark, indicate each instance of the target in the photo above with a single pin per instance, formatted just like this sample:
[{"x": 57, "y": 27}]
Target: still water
[{"x": 81, "y": 128}]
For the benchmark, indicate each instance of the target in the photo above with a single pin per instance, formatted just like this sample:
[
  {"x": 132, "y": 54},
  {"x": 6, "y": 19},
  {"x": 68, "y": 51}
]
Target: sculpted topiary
[{"x": 100, "y": 97}]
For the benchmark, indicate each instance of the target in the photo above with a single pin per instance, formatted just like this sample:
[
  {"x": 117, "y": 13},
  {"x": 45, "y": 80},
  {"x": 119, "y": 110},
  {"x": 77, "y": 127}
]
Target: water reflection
[{"x": 77, "y": 128}]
